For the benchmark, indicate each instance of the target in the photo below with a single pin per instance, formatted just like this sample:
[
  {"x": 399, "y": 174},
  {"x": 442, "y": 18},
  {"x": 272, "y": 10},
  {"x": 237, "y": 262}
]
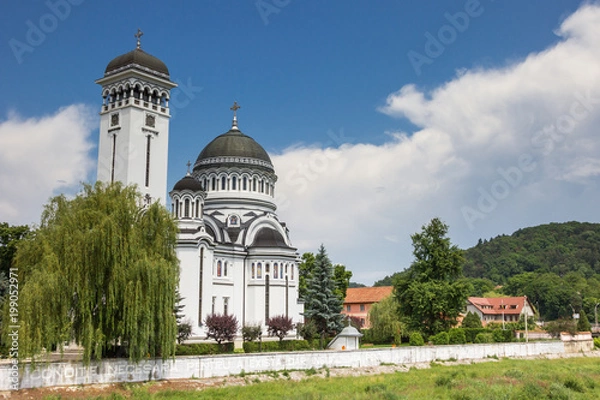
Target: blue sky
[{"x": 368, "y": 145}]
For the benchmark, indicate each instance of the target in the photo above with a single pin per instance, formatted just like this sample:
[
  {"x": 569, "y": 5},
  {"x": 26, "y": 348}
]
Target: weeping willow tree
[{"x": 102, "y": 271}]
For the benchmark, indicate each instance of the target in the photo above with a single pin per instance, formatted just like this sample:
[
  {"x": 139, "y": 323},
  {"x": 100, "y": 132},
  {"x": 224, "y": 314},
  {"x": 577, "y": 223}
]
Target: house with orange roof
[
  {"x": 358, "y": 301},
  {"x": 498, "y": 309}
]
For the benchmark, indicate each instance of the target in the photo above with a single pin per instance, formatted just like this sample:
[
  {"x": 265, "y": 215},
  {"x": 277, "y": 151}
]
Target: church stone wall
[{"x": 108, "y": 371}]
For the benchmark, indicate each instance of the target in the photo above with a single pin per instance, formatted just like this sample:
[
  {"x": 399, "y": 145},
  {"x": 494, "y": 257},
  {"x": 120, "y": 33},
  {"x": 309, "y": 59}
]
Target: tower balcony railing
[{"x": 137, "y": 102}]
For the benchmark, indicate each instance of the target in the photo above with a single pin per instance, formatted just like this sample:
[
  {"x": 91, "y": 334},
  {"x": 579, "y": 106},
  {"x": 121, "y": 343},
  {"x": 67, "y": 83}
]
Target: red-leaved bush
[
  {"x": 222, "y": 328},
  {"x": 279, "y": 326}
]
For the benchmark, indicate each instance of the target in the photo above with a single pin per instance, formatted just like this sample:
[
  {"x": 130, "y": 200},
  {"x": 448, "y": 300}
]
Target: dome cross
[
  {"x": 234, "y": 108},
  {"x": 138, "y": 35}
]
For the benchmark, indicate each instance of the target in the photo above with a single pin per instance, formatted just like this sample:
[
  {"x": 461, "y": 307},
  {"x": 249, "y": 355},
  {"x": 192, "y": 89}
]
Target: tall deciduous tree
[
  {"x": 322, "y": 306},
  {"x": 386, "y": 326},
  {"x": 102, "y": 271},
  {"x": 341, "y": 276},
  {"x": 431, "y": 294}
]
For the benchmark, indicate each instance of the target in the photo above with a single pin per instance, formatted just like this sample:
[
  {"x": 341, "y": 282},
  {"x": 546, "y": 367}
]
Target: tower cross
[
  {"x": 138, "y": 35},
  {"x": 189, "y": 164}
]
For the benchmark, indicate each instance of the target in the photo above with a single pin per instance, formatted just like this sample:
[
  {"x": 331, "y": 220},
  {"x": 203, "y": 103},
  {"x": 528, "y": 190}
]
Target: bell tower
[{"x": 134, "y": 122}]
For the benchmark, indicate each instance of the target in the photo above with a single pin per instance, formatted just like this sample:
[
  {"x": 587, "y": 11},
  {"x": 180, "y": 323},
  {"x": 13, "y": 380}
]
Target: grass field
[{"x": 574, "y": 378}]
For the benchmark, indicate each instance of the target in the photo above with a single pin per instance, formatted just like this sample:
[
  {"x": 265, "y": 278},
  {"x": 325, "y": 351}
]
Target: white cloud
[
  {"x": 39, "y": 157},
  {"x": 496, "y": 150}
]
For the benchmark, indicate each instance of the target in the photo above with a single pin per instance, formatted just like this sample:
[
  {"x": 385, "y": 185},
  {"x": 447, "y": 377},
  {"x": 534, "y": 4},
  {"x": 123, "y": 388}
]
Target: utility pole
[
  {"x": 526, "y": 332},
  {"x": 596, "y": 315}
]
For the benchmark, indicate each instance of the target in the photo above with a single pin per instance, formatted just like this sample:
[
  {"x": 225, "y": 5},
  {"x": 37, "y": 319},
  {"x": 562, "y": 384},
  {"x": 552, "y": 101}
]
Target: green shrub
[
  {"x": 597, "y": 342},
  {"x": 285, "y": 345},
  {"x": 198, "y": 349},
  {"x": 250, "y": 333},
  {"x": 440, "y": 339},
  {"x": 502, "y": 336},
  {"x": 484, "y": 338},
  {"x": 416, "y": 339},
  {"x": 457, "y": 336},
  {"x": 471, "y": 333}
]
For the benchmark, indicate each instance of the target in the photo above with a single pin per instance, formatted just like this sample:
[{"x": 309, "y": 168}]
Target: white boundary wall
[{"x": 116, "y": 370}]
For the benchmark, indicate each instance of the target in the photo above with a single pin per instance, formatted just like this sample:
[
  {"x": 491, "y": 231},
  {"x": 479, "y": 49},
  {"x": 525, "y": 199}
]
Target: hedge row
[
  {"x": 199, "y": 349},
  {"x": 472, "y": 335},
  {"x": 285, "y": 345}
]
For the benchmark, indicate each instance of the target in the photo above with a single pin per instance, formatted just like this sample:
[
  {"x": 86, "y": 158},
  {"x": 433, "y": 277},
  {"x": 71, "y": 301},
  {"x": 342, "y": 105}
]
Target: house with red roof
[
  {"x": 498, "y": 309},
  {"x": 358, "y": 301}
]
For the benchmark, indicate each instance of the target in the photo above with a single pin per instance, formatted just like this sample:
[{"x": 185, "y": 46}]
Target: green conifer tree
[{"x": 322, "y": 306}]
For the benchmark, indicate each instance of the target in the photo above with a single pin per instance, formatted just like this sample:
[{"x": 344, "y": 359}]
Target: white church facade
[{"x": 235, "y": 254}]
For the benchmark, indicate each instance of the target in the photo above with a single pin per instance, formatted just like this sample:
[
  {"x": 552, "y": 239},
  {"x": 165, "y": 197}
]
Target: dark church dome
[
  {"x": 137, "y": 59},
  {"x": 188, "y": 182},
  {"x": 233, "y": 147}
]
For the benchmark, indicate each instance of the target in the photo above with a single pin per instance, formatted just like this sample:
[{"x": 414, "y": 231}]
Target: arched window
[
  {"x": 262, "y": 186},
  {"x": 219, "y": 268},
  {"x": 259, "y": 270},
  {"x": 281, "y": 271},
  {"x": 244, "y": 183},
  {"x": 253, "y": 271},
  {"x": 275, "y": 271},
  {"x": 186, "y": 208},
  {"x": 292, "y": 269},
  {"x": 254, "y": 185},
  {"x": 267, "y": 187},
  {"x": 225, "y": 268},
  {"x": 233, "y": 183},
  {"x": 213, "y": 183},
  {"x": 223, "y": 183},
  {"x": 267, "y": 268},
  {"x": 197, "y": 208}
]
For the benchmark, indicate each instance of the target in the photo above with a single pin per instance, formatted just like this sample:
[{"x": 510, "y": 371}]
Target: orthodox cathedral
[{"x": 235, "y": 254}]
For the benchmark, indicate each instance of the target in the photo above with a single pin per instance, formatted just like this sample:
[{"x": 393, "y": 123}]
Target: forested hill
[{"x": 557, "y": 248}]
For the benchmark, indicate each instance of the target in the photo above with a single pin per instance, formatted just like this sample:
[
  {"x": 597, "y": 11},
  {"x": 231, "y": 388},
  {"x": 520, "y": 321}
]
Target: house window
[
  {"x": 362, "y": 307},
  {"x": 219, "y": 268},
  {"x": 259, "y": 270},
  {"x": 214, "y": 302},
  {"x": 292, "y": 269},
  {"x": 225, "y": 268},
  {"x": 253, "y": 271},
  {"x": 275, "y": 271},
  {"x": 225, "y": 305},
  {"x": 281, "y": 271},
  {"x": 348, "y": 308}
]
